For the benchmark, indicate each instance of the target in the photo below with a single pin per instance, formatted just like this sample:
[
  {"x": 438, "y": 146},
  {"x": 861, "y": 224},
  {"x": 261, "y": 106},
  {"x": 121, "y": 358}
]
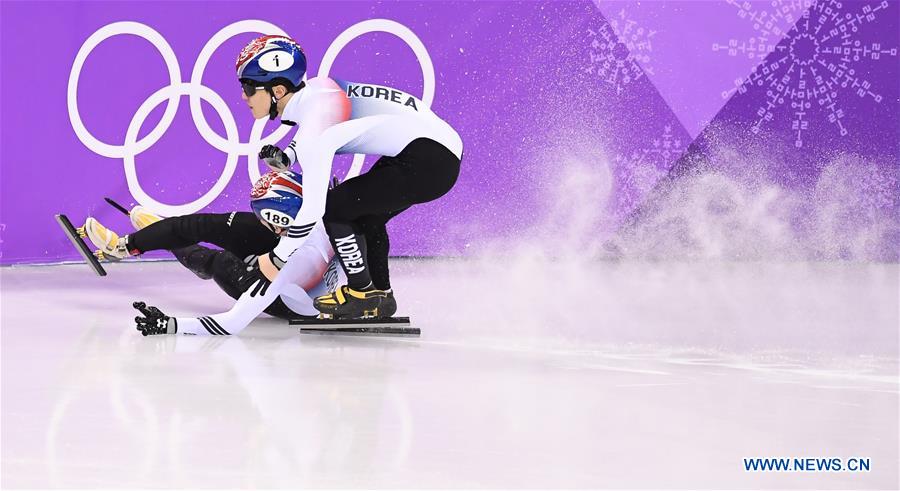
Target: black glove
[
  {"x": 154, "y": 321},
  {"x": 275, "y": 158},
  {"x": 254, "y": 280}
]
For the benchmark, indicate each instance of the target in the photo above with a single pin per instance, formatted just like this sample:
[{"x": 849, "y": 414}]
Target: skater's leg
[
  {"x": 377, "y": 192},
  {"x": 423, "y": 171},
  {"x": 238, "y": 232},
  {"x": 374, "y": 229},
  {"x": 198, "y": 259},
  {"x": 247, "y": 236}
]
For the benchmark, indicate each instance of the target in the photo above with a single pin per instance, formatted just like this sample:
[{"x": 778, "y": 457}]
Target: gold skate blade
[
  {"x": 79, "y": 244},
  {"x": 394, "y": 326},
  {"x": 105, "y": 258}
]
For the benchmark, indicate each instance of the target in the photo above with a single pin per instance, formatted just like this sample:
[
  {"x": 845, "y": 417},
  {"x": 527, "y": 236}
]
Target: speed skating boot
[
  {"x": 141, "y": 218},
  {"x": 108, "y": 243},
  {"x": 347, "y": 303}
]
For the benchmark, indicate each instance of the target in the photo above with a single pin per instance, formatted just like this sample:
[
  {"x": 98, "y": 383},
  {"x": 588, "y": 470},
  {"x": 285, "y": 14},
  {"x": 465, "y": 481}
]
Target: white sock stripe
[
  {"x": 215, "y": 326},
  {"x": 209, "y": 327},
  {"x": 206, "y": 326},
  {"x": 219, "y": 326}
]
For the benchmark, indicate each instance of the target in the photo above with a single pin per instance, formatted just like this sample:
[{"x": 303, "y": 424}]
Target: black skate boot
[
  {"x": 388, "y": 305},
  {"x": 347, "y": 303}
]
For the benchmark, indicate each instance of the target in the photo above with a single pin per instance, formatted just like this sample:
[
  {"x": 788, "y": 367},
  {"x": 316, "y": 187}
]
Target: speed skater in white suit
[{"x": 420, "y": 162}]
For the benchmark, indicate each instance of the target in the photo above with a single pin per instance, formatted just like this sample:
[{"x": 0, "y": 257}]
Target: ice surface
[{"x": 649, "y": 375}]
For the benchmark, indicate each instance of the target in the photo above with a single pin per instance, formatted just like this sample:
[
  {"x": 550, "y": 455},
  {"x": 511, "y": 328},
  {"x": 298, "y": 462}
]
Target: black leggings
[
  {"x": 357, "y": 210},
  {"x": 225, "y": 268},
  {"x": 237, "y": 232},
  {"x": 240, "y": 234}
]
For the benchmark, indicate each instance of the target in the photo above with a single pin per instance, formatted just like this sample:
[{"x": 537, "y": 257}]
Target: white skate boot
[
  {"x": 141, "y": 218},
  {"x": 109, "y": 244}
]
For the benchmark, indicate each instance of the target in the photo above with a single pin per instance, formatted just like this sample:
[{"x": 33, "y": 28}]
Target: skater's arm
[
  {"x": 250, "y": 304},
  {"x": 247, "y": 308},
  {"x": 305, "y": 271},
  {"x": 316, "y": 160}
]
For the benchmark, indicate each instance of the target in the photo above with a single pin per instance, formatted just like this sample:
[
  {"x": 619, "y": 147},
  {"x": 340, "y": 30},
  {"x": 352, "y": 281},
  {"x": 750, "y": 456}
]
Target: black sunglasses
[{"x": 250, "y": 88}]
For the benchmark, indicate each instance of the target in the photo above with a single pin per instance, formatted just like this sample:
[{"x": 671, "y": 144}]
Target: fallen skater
[{"x": 243, "y": 236}]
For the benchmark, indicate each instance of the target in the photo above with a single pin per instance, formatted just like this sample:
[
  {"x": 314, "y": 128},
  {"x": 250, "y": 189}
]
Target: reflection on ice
[{"x": 662, "y": 375}]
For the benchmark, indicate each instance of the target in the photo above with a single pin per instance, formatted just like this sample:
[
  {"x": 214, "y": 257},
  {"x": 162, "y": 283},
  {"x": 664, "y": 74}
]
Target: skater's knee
[
  {"x": 226, "y": 272},
  {"x": 199, "y": 260}
]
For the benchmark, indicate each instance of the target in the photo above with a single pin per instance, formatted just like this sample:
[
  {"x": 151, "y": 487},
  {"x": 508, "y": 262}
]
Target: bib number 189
[{"x": 278, "y": 218}]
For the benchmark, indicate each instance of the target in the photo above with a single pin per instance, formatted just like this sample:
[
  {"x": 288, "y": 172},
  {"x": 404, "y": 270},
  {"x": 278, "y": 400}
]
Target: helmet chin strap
[{"x": 273, "y": 106}]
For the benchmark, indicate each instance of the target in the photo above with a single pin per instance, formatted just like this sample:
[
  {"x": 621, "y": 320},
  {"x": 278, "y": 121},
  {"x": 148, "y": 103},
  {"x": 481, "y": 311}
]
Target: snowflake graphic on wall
[
  {"x": 620, "y": 51},
  {"x": 644, "y": 167},
  {"x": 816, "y": 64},
  {"x": 770, "y": 21}
]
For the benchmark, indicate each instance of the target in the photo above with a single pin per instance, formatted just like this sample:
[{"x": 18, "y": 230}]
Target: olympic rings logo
[{"x": 196, "y": 91}]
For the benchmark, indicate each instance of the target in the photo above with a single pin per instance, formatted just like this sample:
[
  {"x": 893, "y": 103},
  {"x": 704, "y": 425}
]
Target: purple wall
[
  {"x": 571, "y": 112},
  {"x": 801, "y": 161}
]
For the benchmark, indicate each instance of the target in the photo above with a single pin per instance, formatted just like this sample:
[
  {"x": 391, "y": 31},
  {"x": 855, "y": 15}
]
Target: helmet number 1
[{"x": 270, "y": 61}]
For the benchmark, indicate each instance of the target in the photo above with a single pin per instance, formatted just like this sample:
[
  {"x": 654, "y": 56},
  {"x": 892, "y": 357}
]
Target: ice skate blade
[
  {"x": 391, "y": 326},
  {"x": 79, "y": 244},
  {"x": 118, "y": 206}
]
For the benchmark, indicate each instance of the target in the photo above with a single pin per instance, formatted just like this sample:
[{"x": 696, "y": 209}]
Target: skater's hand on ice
[
  {"x": 275, "y": 158},
  {"x": 254, "y": 281},
  {"x": 153, "y": 322}
]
